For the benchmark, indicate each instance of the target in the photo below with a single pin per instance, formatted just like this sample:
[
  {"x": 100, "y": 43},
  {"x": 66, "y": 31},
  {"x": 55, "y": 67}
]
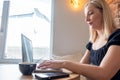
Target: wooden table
[{"x": 11, "y": 72}]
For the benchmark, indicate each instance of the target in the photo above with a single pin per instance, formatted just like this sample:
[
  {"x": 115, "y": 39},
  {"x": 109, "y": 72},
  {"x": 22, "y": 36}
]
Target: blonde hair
[{"x": 108, "y": 23}]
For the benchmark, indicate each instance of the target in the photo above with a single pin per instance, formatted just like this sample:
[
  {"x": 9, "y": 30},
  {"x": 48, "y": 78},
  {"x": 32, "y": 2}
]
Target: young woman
[{"x": 101, "y": 60}]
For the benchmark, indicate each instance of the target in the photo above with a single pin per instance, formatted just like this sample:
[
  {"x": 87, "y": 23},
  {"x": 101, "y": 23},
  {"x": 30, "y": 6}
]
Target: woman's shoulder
[
  {"x": 114, "y": 38},
  {"x": 89, "y": 45},
  {"x": 115, "y": 34}
]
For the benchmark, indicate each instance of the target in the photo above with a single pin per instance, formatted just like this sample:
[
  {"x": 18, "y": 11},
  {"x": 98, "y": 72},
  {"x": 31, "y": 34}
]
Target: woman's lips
[{"x": 90, "y": 23}]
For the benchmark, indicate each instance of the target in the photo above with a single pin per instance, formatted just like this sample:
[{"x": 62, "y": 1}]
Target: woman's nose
[{"x": 87, "y": 19}]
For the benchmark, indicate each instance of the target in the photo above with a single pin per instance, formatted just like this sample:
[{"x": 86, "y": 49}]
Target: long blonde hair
[{"x": 108, "y": 22}]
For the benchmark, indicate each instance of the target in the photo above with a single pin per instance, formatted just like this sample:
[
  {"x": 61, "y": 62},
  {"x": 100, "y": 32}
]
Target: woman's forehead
[{"x": 90, "y": 7}]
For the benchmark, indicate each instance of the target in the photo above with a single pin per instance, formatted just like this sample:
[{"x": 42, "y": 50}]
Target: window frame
[
  {"x": 3, "y": 30},
  {"x": 3, "y": 34}
]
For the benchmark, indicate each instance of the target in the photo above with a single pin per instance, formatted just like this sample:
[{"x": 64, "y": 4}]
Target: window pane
[{"x": 32, "y": 18}]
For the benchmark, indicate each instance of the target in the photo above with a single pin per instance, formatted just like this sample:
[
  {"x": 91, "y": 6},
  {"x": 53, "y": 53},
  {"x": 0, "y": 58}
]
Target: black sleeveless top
[{"x": 96, "y": 56}]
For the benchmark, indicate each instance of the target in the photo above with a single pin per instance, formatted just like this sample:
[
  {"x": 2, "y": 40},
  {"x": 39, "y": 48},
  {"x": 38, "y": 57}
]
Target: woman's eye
[{"x": 90, "y": 13}]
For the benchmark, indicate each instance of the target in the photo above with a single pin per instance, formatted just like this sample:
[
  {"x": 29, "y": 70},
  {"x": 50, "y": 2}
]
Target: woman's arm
[
  {"x": 86, "y": 58},
  {"x": 107, "y": 69}
]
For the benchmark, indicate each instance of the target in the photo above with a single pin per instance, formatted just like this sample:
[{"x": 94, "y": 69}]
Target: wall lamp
[{"x": 75, "y": 3}]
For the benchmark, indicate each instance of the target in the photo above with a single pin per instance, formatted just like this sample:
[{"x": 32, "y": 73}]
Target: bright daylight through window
[{"x": 33, "y": 19}]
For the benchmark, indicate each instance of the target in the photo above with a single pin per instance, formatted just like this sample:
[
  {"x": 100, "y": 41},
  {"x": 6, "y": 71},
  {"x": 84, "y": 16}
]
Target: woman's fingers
[
  {"x": 44, "y": 63},
  {"x": 57, "y": 64}
]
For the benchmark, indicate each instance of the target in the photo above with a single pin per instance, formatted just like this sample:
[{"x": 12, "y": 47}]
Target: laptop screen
[{"x": 27, "y": 50}]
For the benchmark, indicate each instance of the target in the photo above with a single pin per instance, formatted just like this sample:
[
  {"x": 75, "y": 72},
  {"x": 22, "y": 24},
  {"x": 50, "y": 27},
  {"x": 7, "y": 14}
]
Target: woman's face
[{"x": 93, "y": 17}]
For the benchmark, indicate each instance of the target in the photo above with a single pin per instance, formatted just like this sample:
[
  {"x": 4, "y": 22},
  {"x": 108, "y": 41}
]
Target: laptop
[
  {"x": 27, "y": 50},
  {"x": 27, "y": 56},
  {"x": 51, "y": 75}
]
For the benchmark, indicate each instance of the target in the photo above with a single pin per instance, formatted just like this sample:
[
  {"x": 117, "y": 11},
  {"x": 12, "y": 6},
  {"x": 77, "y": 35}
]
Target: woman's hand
[{"x": 56, "y": 64}]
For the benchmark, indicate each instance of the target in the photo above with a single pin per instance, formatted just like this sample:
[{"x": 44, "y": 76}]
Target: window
[{"x": 33, "y": 19}]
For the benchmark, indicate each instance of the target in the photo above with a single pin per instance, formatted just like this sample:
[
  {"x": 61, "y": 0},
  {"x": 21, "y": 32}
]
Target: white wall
[{"x": 70, "y": 32}]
